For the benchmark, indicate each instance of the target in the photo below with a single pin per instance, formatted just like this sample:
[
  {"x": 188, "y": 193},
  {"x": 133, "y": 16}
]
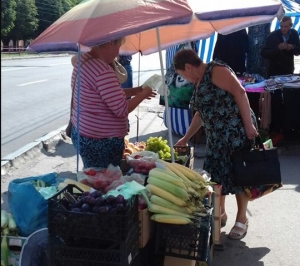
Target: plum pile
[{"x": 96, "y": 202}]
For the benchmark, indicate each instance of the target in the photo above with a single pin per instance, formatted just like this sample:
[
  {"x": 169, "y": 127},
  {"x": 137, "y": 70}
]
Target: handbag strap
[{"x": 258, "y": 141}]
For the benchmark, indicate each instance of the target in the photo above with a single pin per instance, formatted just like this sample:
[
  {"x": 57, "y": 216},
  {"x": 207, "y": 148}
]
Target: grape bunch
[{"x": 159, "y": 146}]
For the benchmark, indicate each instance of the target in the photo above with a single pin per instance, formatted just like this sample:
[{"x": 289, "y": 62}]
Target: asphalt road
[{"x": 36, "y": 96}]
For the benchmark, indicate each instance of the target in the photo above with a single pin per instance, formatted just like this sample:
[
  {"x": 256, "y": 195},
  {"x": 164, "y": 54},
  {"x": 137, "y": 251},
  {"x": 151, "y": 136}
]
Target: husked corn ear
[
  {"x": 170, "y": 219},
  {"x": 11, "y": 222},
  {"x": 193, "y": 192},
  {"x": 178, "y": 173},
  {"x": 189, "y": 173},
  {"x": 167, "y": 186},
  {"x": 163, "y": 210},
  {"x": 164, "y": 172},
  {"x": 4, "y": 218},
  {"x": 163, "y": 175},
  {"x": 165, "y": 203},
  {"x": 166, "y": 195}
]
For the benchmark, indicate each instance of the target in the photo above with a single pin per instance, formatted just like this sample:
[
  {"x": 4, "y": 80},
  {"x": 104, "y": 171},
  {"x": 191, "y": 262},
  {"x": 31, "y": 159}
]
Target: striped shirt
[{"x": 103, "y": 108}]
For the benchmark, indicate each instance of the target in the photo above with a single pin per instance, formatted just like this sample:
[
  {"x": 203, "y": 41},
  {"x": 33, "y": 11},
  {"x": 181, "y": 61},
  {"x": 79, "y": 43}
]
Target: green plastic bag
[{"x": 129, "y": 189}]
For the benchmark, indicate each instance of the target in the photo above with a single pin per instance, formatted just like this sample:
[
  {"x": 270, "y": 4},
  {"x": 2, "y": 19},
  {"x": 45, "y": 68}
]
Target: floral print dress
[{"x": 225, "y": 132}]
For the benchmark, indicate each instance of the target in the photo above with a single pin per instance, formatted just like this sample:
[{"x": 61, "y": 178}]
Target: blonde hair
[{"x": 117, "y": 41}]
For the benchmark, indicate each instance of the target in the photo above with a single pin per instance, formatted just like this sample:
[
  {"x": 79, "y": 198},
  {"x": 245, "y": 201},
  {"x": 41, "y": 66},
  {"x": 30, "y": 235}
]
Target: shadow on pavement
[
  {"x": 236, "y": 253},
  {"x": 289, "y": 170},
  {"x": 64, "y": 149}
]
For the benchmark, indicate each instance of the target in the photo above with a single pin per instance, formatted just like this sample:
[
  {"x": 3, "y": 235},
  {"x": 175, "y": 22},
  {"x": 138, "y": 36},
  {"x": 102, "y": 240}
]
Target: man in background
[
  {"x": 125, "y": 61},
  {"x": 280, "y": 48}
]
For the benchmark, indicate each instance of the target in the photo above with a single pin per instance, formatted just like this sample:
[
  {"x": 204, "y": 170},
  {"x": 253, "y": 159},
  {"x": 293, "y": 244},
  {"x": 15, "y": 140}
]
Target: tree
[
  {"x": 26, "y": 22},
  {"x": 257, "y": 37},
  {"x": 8, "y": 16},
  {"x": 51, "y": 10}
]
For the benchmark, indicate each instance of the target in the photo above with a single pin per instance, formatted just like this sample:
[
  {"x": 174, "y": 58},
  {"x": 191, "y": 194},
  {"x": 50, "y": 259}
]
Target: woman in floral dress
[{"x": 222, "y": 103}]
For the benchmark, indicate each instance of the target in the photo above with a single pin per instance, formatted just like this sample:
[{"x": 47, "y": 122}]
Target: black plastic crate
[
  {"x": 184, "y": 241},
  {"x": 114, "y": 254},
  {"x": 73, "y": 226},
  {"x": 184, "y": 150}
]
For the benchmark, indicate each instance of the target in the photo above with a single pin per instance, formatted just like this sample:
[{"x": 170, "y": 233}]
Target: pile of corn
[
  {"x": 177, "y": 194},
  {"x": 8, "y": 224}
]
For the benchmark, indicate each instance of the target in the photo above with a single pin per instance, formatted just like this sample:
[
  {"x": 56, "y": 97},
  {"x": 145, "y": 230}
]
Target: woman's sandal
[
  {"x": 238, "y": 234},
  {"x": 223, "y": 219}
]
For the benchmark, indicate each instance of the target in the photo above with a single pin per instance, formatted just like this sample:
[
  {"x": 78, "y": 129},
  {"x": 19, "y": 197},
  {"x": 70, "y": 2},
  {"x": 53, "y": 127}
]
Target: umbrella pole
[
  {"x": 166, "y": 95},
  {"x": 78, "y": 106},
  {"x": 138, "y": 107}
]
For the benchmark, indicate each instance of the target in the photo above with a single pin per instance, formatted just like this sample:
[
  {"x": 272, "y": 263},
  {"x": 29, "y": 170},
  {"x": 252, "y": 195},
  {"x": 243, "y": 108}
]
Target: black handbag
[{"x": 256, "y": 166}]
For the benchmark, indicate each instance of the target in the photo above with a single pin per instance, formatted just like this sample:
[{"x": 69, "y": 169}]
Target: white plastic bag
[
  {"x": 143, "y": 161},
  {"x": 155, "y": 82}
]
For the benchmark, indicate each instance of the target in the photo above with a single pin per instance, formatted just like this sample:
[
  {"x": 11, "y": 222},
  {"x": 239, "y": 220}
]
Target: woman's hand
[
  {"x": 181, "y": 142},
  {"x": 148, "y": 93},
  {"x": 251, "y": 132}
]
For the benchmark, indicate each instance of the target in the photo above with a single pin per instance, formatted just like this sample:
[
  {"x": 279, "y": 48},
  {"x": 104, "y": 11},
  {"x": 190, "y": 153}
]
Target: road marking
[
  {"x": 24, "y": 84},
  {"x": 17, "y": 68},
  {"x": 60, "y": 64},
  {"x": 23, "y": 68}
]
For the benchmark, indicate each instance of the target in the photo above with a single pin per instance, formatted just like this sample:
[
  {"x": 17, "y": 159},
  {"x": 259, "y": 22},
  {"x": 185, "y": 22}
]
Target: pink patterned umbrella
[
  {"x": 93, "y": 22},
  {"x": 211, "y": 16}
]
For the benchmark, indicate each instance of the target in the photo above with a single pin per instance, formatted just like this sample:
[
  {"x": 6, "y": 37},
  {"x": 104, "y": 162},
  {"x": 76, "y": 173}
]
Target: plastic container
[
  {"x": 155, "y": 82},
  {"x": 185, "y": 154},
  {"x": 184, "y": 241},
  {"x": 113, "y": 254},
  {"x": 115, "y": 225}
]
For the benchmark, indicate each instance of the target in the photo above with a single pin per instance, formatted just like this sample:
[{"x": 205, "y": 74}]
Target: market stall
[
  {"x": 110, "y": 215},
  {"x": 103, "y": 217},
  {"x": 276, "y": 106}
]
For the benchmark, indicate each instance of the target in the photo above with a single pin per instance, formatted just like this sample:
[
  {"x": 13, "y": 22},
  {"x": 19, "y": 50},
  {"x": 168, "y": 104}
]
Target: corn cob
[
  {"x": 167, "y": 186},
  {"x": 5, "y": 231},
  {"x": 164, "y": 210},
  {"x": 170, "y": 219},
  {"x": 189, "y": 173},
  {"x": 11, "y": 222},
  {"x": 162, "y": 175},
  {"x": 4, "y": 219},
  {"x": 178, "y": 173},
  {"x": 165, "y": 203},
  {"x": 159, "y": 171},
  {"x": 166, "y": 195},
  {"x": 193, "y": 192}
]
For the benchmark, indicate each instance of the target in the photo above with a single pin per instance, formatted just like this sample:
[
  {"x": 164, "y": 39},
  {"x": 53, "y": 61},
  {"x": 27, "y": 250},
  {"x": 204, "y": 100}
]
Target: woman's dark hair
[{"x": 186, "y": 56}]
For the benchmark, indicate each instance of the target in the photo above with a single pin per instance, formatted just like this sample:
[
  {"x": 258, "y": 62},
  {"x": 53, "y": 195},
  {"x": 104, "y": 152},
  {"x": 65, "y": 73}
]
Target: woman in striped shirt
[{"x": 103, "y": 107}]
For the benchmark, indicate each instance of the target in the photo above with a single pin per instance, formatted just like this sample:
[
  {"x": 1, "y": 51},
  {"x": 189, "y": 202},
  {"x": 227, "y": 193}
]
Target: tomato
[{"x": 90, "y": 172}]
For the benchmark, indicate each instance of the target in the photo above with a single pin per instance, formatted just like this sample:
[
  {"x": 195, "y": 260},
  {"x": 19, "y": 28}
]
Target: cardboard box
[
  {"x": 145, "y": 227},
  {"x": 173, "y": 261},
  {"x": 15, "y": 244}
]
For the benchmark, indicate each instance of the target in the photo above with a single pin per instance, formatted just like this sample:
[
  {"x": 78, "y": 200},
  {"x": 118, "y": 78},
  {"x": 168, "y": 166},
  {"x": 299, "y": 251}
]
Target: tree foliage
[
  {"x": 8, "y": 16},
  {"x": 51, "y": 10},
  {"x": 26, "y": 21}
]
